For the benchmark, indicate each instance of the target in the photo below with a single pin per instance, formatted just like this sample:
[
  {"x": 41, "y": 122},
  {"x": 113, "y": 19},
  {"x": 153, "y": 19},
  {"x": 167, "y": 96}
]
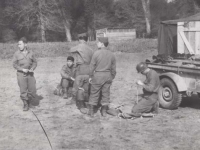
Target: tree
[
  {"x": 26, "y": 15},
  {"x": 146, "y": 8},
  {"x": 89, "y": 9}
]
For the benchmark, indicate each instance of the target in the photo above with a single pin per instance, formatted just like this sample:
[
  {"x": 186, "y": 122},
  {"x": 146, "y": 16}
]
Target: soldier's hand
[
  {"x": 72, "y": 78},
  {"x": 25, "y": 70},
  {"x": 80, "y": 88},
  {"x": 31, "y": 70},
  {"x": 139, "y": 82}
]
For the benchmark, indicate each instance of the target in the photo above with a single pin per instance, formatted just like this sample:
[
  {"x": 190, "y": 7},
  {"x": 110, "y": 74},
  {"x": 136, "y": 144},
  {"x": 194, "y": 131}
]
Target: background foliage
[{"x": 63, "y": 20}]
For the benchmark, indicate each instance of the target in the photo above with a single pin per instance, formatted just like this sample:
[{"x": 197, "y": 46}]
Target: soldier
[
  {"x": 68, "y": 72},
  {"x": 149, "y": 100},
  {"x": 25, "y": 63},
  {"x": 102, "y": 72},
  {"x": 83, "y": 55},
  {"x": 81, "y": 92}
]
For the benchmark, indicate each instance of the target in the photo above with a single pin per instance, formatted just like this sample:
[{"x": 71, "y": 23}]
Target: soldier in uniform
[
  {"x": 149, "y": 101},
  {"x": 83, "y": 55},
  {"x": 102, "y": 72},
  {"x": 25, "y": 63},
  {"x": 67, "y": 72},
  {"x": 81, "y": 91}
]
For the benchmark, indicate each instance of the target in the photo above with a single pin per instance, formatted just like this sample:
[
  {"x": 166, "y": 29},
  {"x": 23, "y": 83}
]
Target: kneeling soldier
[{"x": 149, "y": 101}]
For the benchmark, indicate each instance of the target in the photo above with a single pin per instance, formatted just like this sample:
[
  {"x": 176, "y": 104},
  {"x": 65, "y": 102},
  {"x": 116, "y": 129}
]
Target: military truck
[{"x": 178, "y": 60}]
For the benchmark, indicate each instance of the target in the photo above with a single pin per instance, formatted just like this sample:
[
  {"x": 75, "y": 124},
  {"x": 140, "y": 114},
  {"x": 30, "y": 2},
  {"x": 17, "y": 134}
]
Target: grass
[{"x": 56, "y": 49}]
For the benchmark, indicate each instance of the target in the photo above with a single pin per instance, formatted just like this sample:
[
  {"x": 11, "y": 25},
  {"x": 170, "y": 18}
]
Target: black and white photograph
[{"x": 99, "y": 74}]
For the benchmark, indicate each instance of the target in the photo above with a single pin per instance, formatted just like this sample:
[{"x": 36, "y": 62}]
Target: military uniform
[
  {"x": 81, "y": 92},
  {"x": 81, "y": 87},
  {"x": 26, "y": 81},
  {"x": 83, "y": 55},
  {"x": 102, "y": 72},
  {"x": 66, "y": 74},
  {"x": 150, "y": 96}
]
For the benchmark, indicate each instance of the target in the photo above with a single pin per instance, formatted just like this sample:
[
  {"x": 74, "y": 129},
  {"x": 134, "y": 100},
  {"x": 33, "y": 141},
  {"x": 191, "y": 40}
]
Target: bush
[
  {"x": 56, "y": 49},
  {"x": 8, "y": 36},
  {"x": 134, "y": 46}
]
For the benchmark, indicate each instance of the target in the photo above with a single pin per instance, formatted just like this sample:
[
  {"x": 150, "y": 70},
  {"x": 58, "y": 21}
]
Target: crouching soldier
[
  {"x": 67, "y": 73},
  {"x": 149, "y": 101}
]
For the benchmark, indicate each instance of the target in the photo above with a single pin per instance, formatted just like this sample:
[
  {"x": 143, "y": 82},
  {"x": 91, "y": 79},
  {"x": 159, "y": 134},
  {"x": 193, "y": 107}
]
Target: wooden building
[{"x": 115, "y": 34}]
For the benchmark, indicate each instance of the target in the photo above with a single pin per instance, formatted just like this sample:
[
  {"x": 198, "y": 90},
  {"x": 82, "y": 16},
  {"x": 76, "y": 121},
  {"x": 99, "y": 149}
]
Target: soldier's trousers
[
  {"x": 82, "y": 95},
  {"x": 101, "y": 83},
  {"x": 65, "y": 83},
  {"x": 145, "y": 105},
  {"x": 27, "y": 85}
]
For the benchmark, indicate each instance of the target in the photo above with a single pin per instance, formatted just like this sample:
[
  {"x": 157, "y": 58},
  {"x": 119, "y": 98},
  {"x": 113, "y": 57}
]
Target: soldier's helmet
[{"x": 141, "y": 67}]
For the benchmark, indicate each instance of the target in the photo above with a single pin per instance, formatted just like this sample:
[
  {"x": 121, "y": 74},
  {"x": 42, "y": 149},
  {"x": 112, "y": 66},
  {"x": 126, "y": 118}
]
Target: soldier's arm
[
  {"x": 92, "y": 65},
  {"x": 113, "y": 68},
  {"x": 63, "y": 73},
  {"x": 15, "y": 63},
  {"x": 73, "y": 49},
  {"x": 150, "y": 87},
  {"x": 34, "y": 64}
]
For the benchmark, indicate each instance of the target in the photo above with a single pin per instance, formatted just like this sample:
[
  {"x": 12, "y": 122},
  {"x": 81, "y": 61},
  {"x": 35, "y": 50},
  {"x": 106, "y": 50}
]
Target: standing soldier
[
  {"x": 81, "y": 92},
  {"x": 83, "y": 55},
  {"x": 149, "y": 101},
  {"x": 68, "y": 74},
  {"x": 102, "y": 72},
  {"x": 25, "y": 63}
]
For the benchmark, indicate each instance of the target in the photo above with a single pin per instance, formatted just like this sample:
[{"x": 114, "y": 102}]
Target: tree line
[{"x": 63, "y": 20}]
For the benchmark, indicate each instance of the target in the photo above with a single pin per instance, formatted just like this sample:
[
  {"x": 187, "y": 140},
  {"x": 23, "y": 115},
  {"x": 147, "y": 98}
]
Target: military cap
[
  {"x": 70, "y": 58},
  {"x": 103, "y": 39}
]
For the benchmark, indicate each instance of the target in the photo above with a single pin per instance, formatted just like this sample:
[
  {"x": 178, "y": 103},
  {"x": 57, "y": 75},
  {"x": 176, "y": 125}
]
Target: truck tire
[{"x": 168, "y": 95}]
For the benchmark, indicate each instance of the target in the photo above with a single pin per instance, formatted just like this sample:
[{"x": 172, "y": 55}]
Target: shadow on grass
[{"x": 191, "y": 102}]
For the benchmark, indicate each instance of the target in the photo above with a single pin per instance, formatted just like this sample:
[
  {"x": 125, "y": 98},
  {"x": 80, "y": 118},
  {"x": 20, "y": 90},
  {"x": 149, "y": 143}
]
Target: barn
[{"x": 180, "y": 36}]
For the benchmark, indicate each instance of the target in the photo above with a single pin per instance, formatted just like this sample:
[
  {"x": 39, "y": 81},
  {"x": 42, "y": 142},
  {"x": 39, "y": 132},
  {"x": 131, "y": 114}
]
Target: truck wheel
[{"x": 168, "y": 95}]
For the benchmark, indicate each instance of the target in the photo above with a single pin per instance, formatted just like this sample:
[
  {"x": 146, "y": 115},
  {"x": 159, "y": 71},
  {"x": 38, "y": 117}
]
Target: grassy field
[
  {"x": 68, "y": 130},
  {"x": 65, "y": 125},
  {"x": 57, "y": 49}
]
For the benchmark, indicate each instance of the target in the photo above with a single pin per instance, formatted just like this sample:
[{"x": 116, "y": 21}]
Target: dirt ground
[{"x": 68, "y": 130}]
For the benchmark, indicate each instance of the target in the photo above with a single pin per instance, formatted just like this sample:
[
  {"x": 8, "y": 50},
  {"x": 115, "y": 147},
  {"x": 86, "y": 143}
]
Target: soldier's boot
[
  {"x": 65, "y": 96},
  {"x": 25, "y": 108},
  {"x": 103, "y": 110},
  {"x": 155, "y": 108},
  {"x": 113, "y": 111},
  {"x": 83, "y": 108},
  {"x": 29, "y": 103},
  {"x": 90, "y": 116},
  {"x": 78, "y": 105}
]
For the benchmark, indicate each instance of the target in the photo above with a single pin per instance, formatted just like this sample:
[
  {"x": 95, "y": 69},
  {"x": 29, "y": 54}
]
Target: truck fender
[{"x": 178, "y": 80}]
